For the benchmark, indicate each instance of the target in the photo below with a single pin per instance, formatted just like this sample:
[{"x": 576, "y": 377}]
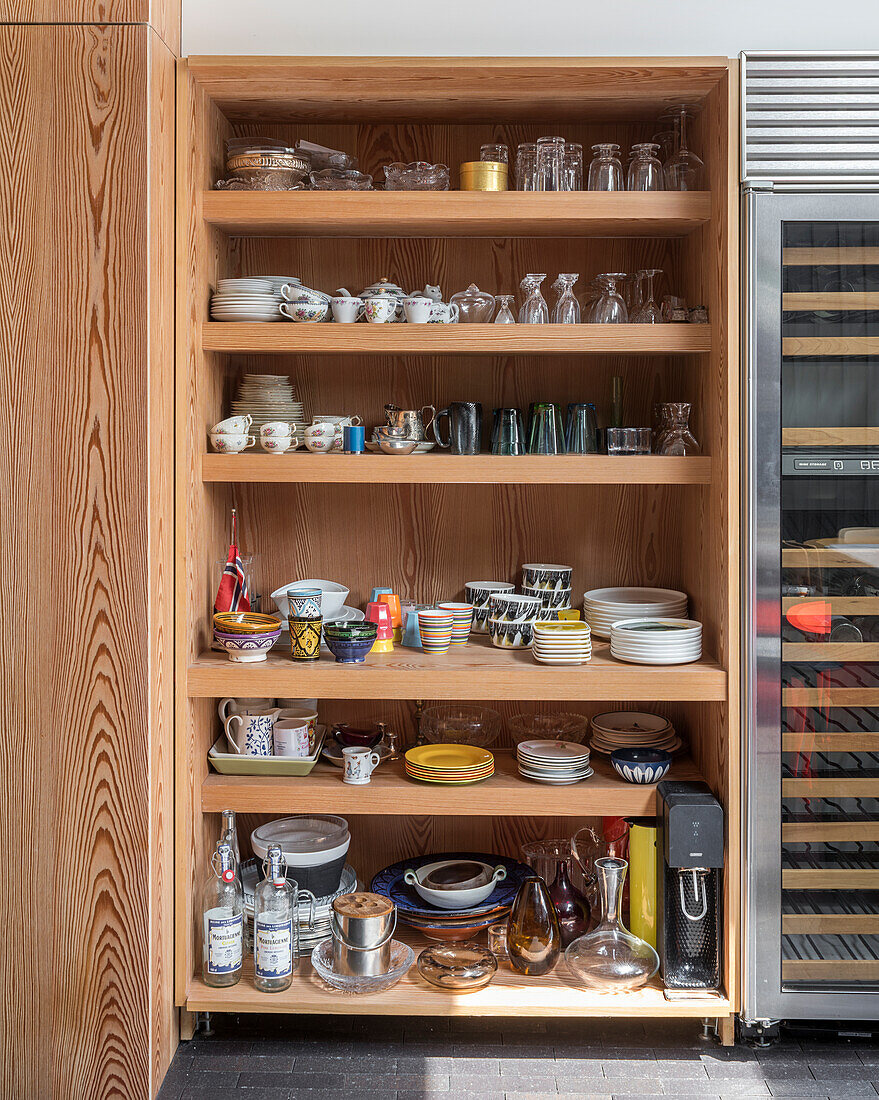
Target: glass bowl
[
  {"x": 402, "y": 957},
  {"x": 340, "y": 179},
  {"x": 548, "y": 727},
  {"x": 461, "y": 967},
  {"x": 419, "y": 175},
  {"x": 452, "y": 723}
]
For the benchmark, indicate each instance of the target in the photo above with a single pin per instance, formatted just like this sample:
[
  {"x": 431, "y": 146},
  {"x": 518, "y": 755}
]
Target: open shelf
[
  {"x": 480, "y": 671},
  {"x": 391, "y": 791},
  {"x": 831, "y": 557},
  {"x": 457, "y": 213},
  {"x": 509, "y": 994},
  {"x": 446, "y": 469},
  {"x": 289, "y": 338}
]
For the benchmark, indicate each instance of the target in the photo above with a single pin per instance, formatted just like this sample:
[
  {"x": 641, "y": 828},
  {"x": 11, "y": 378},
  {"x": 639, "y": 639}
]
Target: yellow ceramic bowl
[
  {"x": 566, "y": 629},
  {"x": 245, "y": 622}
]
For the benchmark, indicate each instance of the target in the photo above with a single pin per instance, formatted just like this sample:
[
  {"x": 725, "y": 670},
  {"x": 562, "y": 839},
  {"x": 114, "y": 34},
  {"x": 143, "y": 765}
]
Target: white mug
[
  {"x": 251, "y": 734},
  {"x": 252, "y": 705},
  {"x": 290, "y": 737},
  {"x": 303, "y": 714},
  {"x": 380, "y": 310},
  {"x": 347, "y": 310},
  {"x": 418, "y": 310},
  {"x": 358, "y": 765}
]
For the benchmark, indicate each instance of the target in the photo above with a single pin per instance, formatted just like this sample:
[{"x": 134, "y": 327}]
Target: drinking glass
[
  {"x": 573, "y": 166},
  {"x": 526, "y": 166},
  {"x": 606, "y": 170},
  {"x": 645, "y": 168},
  {"x": 649, "y": 313},
  {"x": 551, "y": 164},
  {"x": 566, "y": 310},
  {"x": 662, "y": 421},
  {"x": 677, "y": 439},
  {"x": 628, "y": 441},
  {"x": 545, "y": 435},
  {"x": 507, "y": 433},
  {"x": 504, "y": 313},
  {"x": 534, "y": 309},
  {"x": 498, "y": 153},
  {"x": 665, "y": 139},
  {"x": 581, "y": 430},
  {"x": 610, "y": 309},
  {"x": 684, "y": 171}
]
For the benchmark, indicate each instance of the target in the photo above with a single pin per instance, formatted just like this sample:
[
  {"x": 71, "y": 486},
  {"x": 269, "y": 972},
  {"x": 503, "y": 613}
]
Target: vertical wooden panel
[{"x": 78, "y": 368}]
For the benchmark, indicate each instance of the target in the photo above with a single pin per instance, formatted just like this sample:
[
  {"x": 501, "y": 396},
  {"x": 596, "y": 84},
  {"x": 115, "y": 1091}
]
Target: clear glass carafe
[
  {"x": 534, "y": 309},
  {"x": 606, "y": 169},
  {"x": 504, "y": 315},
  {"x": 649, "y": 312},
  {"x": 677, "y": 439},
  {"x": 611, "y": 959},
  {"x": 566, "y": 310}
]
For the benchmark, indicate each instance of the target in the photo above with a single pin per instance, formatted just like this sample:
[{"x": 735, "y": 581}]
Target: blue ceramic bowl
[
  {"x": 640, "y": 765},
  {"x": 350, "y": 642}
]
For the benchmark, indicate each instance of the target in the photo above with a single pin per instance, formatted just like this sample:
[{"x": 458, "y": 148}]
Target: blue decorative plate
[{"x": 389, "y": 883}]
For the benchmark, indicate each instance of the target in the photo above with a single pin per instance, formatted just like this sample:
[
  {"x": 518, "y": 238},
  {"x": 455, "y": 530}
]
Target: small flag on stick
[{"x": 232, "y": 595}]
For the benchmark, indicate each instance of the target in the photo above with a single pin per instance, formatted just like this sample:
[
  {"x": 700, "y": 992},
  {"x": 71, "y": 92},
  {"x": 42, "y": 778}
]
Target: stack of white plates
[
  {"x": 556, "y": 762},
  {"x": 251, "y": 874},
  {"x": 246, "y": 300},
  {"x": 268, "y": 397},
  {"x": 632, "y": 729},
  {"x": 562, "y": 643},
  {"x": 656, "y": 641},
  {"x": 602, "y": 607}
]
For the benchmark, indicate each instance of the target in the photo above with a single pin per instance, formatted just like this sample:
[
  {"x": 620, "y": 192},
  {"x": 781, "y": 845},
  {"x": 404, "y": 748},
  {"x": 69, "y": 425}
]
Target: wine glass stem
[{"x": 683, "y": 134}]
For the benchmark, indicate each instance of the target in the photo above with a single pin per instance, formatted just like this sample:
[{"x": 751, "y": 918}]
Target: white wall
[{"x": 566, "y": 28}]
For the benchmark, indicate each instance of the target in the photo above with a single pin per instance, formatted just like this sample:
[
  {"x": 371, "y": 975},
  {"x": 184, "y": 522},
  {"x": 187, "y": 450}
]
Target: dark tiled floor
[{"x": 388, "y": 1058}]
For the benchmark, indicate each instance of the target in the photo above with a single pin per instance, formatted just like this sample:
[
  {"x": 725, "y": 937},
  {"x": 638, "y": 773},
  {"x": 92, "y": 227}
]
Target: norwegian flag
[{"x": 232, "y": 595}]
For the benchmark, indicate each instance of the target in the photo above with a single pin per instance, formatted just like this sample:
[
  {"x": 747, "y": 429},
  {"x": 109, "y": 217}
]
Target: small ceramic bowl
[
  {"x": 350, "y": 642},
  {"x": 397, "y": 446},
  {"x": 452, "y": 899},
  {"x": 247, "y": 648},
  {"x": 506, "y": 635},
  {"x": 245, "y": 622},
  {"x": 541, "y": 575},
  {"x": 361, "y": 737},
  {"x": 640, "y": 765},
  {"x": 514, "y": 607}
]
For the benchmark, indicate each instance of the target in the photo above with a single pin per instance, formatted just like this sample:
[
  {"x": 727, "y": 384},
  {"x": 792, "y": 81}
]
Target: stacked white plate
[
  {"x": 268, "y": 397},
  {"x": 246, "y": 300},
  {"x": 555, "y": 762},
  {"x": 602, "y": 607},
  {"x": 562, "y": 643},
  {"x": 656, "y": 641},
  {"x": 632, "y": 729},
  {"x": 251, "y": 874}
]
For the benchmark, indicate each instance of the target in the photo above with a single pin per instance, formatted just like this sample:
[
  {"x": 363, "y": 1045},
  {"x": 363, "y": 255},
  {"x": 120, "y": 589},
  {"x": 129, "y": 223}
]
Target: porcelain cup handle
[
  {"x": 374, "y": 759},
  {"x": 435, "y": 426},
  {"x": 410, "y": 878},
  {"x": 453, "y": 313},
  {"x": 500, "y": 873},
  {"x": 251, "y": 442},
  {"x": 227, "y": 725},
  {"x": 221, "y": 709}
]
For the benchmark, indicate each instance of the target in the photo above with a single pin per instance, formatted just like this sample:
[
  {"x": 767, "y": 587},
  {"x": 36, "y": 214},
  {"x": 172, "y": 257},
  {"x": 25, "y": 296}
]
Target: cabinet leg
[
  {"x": 726, "y": 1030},
  {"x": 187, "y": 1024}
]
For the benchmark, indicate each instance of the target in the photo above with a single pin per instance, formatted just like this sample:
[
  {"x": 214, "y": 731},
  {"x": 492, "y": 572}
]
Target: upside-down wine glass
[
  {"x": 645, "y": 168},
  {"x": 504, "y": 313},
  {"x": 684, "y": 171},
  {"x": 610, "y": 309},
  {"x": 534, "y": 309},
  {"x": 566, "y": 310},
  {"x": 649, "y": 313}
]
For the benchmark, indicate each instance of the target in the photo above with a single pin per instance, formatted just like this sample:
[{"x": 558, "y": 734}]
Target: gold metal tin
[{"x": 483, "y": 175}]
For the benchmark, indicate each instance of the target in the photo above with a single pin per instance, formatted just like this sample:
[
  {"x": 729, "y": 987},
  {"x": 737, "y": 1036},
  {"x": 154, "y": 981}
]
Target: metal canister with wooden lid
[{"x": 363, "y": 926}]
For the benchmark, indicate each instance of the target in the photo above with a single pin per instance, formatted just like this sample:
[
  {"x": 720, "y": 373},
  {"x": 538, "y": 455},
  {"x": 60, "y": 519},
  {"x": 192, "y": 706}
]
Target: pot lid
[{"x": 383, "y": 286}]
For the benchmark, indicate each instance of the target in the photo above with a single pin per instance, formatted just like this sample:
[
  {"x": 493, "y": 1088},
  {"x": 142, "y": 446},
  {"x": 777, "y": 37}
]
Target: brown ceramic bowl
[{"x": 364, "y": 737}]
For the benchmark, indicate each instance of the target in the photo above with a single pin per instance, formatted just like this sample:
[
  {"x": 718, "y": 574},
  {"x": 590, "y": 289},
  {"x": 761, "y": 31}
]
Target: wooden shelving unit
[{"x": 427, "y": 523}]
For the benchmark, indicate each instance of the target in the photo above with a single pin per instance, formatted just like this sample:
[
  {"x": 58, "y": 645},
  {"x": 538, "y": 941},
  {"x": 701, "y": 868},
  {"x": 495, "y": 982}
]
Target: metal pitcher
[{"x": 411, "y": 420}]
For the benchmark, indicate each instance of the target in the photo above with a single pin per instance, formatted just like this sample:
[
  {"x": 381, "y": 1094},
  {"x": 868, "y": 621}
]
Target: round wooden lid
[{"x": 362, "y": 905}]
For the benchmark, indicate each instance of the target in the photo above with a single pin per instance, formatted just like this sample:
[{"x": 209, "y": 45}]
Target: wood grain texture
[
  {"x": 162, "y": 15},
  {"x": 800, "y": 347},
  {"x": 837, "y": 741},
  {"x": 834, "y": 300},
  {"x": 836, "y": 558},
  {"x": 457, "y": 213},
  {"x": 832, "y": 971},
  {"x": 75, "y": 972},
  {"x": 830, "y": 437},
  {"x": 841, "y": 878},
  {"x": 833, "y": 256},
  {"x": 830, "y": 651}
]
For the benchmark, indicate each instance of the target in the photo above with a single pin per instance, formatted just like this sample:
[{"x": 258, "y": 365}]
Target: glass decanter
[
  {"x": 534, "y": 309},
  {"x": 534, "y": 939},
  {"x": 566, "y": 310},
  {"x": 611, "y": 959},
  {"x": 552, "y": 860},
  {"x": 649, "y": 313},
  {"x": 677, "y": 439},
  {"x": 606, "y": 169},
  {"x": 504, "y": 313}
]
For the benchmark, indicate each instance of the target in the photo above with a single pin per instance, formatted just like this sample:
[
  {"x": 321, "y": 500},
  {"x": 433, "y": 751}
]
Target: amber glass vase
[{"x": 534, "y": 939}]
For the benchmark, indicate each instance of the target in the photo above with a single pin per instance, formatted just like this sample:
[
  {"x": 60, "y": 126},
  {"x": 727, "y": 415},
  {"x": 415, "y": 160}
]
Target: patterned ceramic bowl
[
  {"x": 245, "y": 622},
  {"x": 507, "y": 635},
  {"x": 247, "y": 648},
  {"x": 640, "y": 765}
]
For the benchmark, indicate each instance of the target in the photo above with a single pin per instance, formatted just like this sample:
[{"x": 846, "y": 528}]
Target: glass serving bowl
[
  {"x": 402, "y": 957},
  {"x": 462, "y": 967},
  {"x": 419, "y": 175},
  {"x": 337, "y": 179},
  {"x": 455, "y": 724},
  {"x": 563, "y": 726}
]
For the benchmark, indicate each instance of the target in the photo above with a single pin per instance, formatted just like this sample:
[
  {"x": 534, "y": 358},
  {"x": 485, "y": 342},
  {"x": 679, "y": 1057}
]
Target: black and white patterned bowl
[
  {"x": 541, "y": 575},
  {"x": 507, "y": 635},
  {"x": 514, "y": 607}
]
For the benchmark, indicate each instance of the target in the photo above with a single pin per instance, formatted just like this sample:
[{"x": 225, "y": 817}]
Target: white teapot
[{"x": 384, "y": 288}]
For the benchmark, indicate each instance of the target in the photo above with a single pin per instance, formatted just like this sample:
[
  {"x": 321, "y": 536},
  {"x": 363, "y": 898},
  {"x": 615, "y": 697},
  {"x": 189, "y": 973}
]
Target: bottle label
[
  {"x": 225, "y": 942},
  {"x": 273, "y": 948}
]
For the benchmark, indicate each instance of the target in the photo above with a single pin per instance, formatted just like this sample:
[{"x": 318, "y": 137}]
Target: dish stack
[
  {"x": 551, "y": 583},
  {"x": 656, "y": 641},
  {"x": 630, "y": 729},
  {"x": 267, "y": 397},
  {"x": 246, "y": 300},
  {"x": 448, "y": 765},
  {"x": 602, "y": 607},
  {"x": 557, "y": 762},
  {"x": 251, "y": 874},
  {"x": 564, "y": 643}
]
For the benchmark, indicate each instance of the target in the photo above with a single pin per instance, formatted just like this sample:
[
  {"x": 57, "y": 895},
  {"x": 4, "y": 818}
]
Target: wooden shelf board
[
  {"x": 829, "y": 697},
  {"x": 855, "y": 255},
  {"x": 832, "y": 300},
  {"x": 801, "y": 347},
  {"x": 509, "y": 994},
  {"x": 834, "y": 831},
  {"x": 856, "y": 787},
  {"x": 830, "y": 558},
  {"x": 445, "y": 469},
  {"x": 830, "y": 437},
  {"x": 836, "y": 741},
  {"x": 830, "y": 970},
  {"x": 830, "y": 651},
  {"x": 391, "y": 791},
  {"x": 289, "y": 338},
  {"x": 480, "y": 671},
  {"x": 457, "y": 213},
  {"x": 840, "y": 605},
  {"x": 842, "y": 878},
  {"x": 830, "y": 924}
]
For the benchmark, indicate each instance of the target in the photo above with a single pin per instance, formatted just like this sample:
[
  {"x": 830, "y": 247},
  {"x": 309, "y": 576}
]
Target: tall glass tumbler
[
  {"x": 546, "y": 436},
  {"x": 573, "y": 166},
  {"x": 507, "y": 433},
  {"x": 581, "y": 430},
  {"x": 551, "y": 164},
  {"x": 526, "y": 166}
]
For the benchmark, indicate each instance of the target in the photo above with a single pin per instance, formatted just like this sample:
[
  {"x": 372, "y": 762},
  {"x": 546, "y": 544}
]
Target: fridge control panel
[{"x": 839, "y": 464}]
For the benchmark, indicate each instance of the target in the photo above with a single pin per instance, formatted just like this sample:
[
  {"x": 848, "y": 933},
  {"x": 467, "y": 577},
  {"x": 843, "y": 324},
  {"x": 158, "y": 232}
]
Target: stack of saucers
[
  {"x": 266, "y": 397},
  {"x": 630, "y": 729},
  {"x": 561, "y": 643},
  {"x": 656, "y": 641},
  {"x": 602, "y": 607},
  {"x": 555, "y": 762},
  {"x": 246, "y": 300}
]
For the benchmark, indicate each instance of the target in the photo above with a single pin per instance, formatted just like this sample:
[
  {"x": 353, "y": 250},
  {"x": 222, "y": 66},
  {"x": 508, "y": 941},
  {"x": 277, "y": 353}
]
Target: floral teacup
[
  {"x": 380, "y": 310},
  {"x": 304, "y": 310},
  {"x": 226, "y": 443}
]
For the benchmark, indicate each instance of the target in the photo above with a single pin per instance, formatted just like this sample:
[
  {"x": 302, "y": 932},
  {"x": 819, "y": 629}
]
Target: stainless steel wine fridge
[{"x": 811, "y": 678}]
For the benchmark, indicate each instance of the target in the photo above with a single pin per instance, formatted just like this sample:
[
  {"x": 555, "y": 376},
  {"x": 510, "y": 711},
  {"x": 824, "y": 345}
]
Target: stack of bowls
[
  {"x": 564, "y": 643},
  {"x": 479, "y": 593},
  {"x": 556, "y": 762},
  {"x": 245, "y": 300},
  {"x": 631, "y": 729},
  {"x": 246, "y": 636},
  {"x": 602, "y": 607},
  {"x": 435, "y": 628},
  {"x": 656, "y": 641},
  {"x": 552, "y": 583},
  {"x": 313, "y": 845},
  {"x": 512, "y": 618}
]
